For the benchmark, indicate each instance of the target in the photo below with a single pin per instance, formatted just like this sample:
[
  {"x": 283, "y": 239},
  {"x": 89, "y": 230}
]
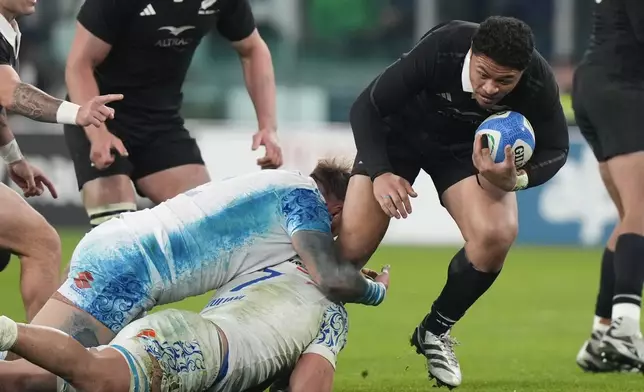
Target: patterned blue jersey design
[
  {"x": 304, "y": 209},
  {"x": 334, "y": 329},
  {"x": 193, "y": 243}
]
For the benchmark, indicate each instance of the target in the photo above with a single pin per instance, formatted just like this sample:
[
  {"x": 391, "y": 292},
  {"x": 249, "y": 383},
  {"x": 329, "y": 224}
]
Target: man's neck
[{"x": 9, "y": 16}]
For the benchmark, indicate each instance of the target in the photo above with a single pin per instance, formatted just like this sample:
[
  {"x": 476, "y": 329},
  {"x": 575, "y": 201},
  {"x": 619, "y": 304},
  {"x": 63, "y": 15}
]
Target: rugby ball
[{"x": 509, "y": 128}]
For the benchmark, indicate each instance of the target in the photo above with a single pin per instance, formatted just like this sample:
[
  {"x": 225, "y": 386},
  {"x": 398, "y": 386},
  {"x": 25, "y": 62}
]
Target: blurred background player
[
  {"x": 24, "y": 231},
  {"x": 421, "y": 113},
  {"x": 608, "y": 97},
  {"x": 144, "y": 49},
  {"x": 225, "y": 348}
]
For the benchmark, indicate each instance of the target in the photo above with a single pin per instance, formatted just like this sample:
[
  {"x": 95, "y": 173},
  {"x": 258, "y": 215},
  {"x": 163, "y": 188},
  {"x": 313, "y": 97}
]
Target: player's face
[
  {"x": 491, "y": 81},
  {"x": 19, "y": 7}
]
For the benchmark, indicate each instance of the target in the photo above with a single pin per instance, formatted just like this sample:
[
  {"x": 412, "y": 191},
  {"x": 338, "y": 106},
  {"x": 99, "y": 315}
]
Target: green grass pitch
[{"x": 522, "y": 335}]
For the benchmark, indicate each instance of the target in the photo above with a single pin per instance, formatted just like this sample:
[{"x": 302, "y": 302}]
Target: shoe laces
[{"x": 447, "y": 343}]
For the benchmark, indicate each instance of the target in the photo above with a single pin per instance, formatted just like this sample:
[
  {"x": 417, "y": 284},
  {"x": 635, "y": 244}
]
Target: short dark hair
[
  {"x": 333, "y": 176},
  {"x": 508, "y": 41}
]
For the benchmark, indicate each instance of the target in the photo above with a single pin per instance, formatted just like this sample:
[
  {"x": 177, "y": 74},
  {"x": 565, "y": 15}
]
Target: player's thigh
[
  {"x": 484, "y": 213},
  {"x": 61, "y": 314},
  {"x": 179, "y": 346},
  {"x": 168, "y": 165},
  {"x": 99, "y": 187},
  {"x": 23, "y": 229},
  {"x": 586, "y": 127},
  {"x": 109, "y": 276},
  {"x": 364, "y": 223}
]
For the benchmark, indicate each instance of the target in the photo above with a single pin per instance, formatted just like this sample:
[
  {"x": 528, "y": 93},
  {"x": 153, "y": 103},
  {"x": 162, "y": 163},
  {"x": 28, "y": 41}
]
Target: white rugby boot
[
  {"x": 442, "y": 364},
  {"x": 589, "y": 357},
  {"x": 623, "y": 343}
]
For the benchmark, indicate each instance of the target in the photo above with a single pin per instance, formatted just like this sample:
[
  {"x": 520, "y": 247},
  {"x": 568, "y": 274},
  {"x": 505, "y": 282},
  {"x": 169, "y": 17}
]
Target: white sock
[
  {"x": 8, "y": 333},
  {"x": 630, "y": 311},
  {"x": 598, "y": 326}
]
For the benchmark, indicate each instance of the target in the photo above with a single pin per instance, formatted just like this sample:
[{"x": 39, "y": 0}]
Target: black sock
[
  {"x": 464, "y": 286},
  {"x": 604, "y": 304},
  {"x": 629, "y": 269},
  {"x": 5, "y": 256}
]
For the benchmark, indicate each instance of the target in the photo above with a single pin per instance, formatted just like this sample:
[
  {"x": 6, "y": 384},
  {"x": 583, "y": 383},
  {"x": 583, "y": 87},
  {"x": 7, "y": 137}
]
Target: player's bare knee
[
  {"x": 107, "y": 197},
  {"x": 495, "y": 236},
  {"x": 48, "y": 242}
]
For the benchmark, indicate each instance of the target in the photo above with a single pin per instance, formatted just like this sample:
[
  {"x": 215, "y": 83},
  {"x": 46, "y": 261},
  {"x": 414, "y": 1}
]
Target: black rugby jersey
[
  {"x": 617, "y": 39},
  {"x": 427, "y": 95},
  {"x": 153, "y": 42},
  {"x": 9, "y": 43}
]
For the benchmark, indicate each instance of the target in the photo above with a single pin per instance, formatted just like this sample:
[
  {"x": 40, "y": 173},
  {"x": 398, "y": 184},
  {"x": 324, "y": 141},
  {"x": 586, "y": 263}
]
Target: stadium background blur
[{"x": 524, "y": 334}]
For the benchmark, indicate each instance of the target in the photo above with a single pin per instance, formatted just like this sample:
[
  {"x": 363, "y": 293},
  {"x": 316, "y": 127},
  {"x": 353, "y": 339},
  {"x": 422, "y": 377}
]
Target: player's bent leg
[
  {"x": 60, "y": 313},
  {"x": 52, "y": 350},
  {"x": 36, "y": 243},
  {"x": 358, "y": 241},
  {"x": 589, "y": 356},
  {"x": 168, "y": 183},
  {"x": 488, "y": 220},
  {"x": 107, "y": 197},
  {"x": 109, "y": 284},
  {"x": 173, "y": 348},
  {"x": 623, "y": 343}
]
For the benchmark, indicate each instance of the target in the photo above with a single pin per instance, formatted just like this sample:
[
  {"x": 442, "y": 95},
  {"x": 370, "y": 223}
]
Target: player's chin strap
[{"x": 104, "y": 213}]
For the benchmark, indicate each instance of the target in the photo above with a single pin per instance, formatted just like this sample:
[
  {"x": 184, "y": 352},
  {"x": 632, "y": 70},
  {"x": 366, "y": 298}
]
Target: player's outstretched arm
[
  {"x": 29, "y": 101},
  {"x": 62, "y": 355},
  {"x": 340, "y": 280}
]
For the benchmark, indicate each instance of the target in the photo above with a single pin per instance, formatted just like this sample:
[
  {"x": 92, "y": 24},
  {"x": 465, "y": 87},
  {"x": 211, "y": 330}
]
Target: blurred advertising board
[{"x": 572, "y": 209}]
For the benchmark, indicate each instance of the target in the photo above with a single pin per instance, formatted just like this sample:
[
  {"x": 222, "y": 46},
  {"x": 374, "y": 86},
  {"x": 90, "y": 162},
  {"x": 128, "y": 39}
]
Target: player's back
[
  {"x": 270, "y": 318},
  {"x": 616, "y": 39},
  {"x": 205, "y": 237}
]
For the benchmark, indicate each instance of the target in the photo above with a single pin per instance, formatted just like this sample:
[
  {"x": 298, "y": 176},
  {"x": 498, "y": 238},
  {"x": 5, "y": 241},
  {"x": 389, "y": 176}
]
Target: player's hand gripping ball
[{"x": 509, "y": 128}]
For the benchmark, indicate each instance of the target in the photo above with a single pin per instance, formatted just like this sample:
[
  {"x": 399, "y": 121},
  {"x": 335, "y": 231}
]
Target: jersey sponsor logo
[
  {"x": 205, "y": 5},
  {"x": 148, "y": 11},
  {"x": 84, "y": 280},
  {"x": 176, "y": 31},
  {"x": 147, "y": 333},
  {"x": 175, "y": 41}
]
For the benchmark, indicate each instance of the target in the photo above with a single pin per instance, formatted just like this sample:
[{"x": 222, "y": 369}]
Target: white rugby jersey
[
  {"x": 270, "y": 318},
  {"x": 202, "y": 239}
]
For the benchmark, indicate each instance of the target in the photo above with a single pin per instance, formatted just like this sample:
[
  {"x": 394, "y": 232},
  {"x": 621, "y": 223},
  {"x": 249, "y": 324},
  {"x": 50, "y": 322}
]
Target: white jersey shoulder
[{"x": 203, "y": 238}]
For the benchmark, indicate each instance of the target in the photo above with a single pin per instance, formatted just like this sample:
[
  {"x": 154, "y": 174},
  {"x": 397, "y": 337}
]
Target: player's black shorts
[
  {"x": 609, "y": 113},
  {"x": 446, "y": 161},
  {"x": 149, "y": 152}
]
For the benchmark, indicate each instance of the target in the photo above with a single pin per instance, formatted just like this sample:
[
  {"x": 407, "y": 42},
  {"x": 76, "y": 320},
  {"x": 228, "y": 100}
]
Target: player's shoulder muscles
[
  {"x": 413, "y": 72},
  {"x": 87, "y": 48},
  {"x": 107, "y": 19}
]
